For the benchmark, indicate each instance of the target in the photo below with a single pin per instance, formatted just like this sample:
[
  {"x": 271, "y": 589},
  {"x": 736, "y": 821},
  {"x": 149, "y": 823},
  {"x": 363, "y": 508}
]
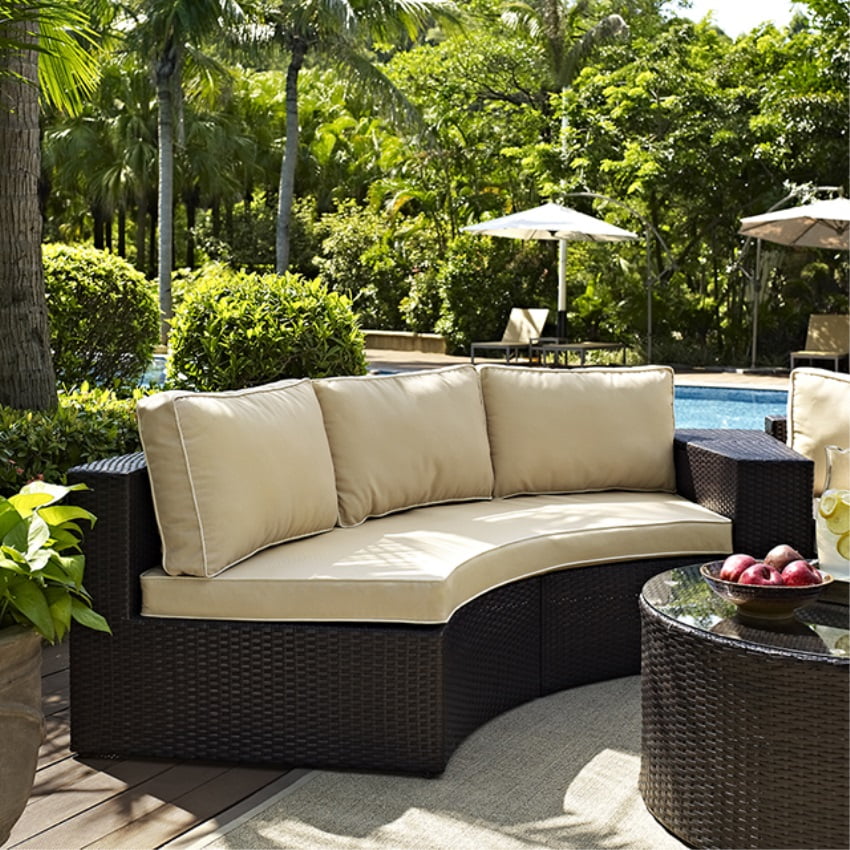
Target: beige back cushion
[
  {"x": 402, "y": 441},
  {"x": 576, "y": 430},
  {"x": 819, "y": 416},
  {"x": 235, "y": 472}
]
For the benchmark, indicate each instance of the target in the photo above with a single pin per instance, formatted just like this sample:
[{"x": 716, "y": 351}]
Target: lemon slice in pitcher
[
  {"x": 838, "y": 518},
  {"x": 843, "y": 546},
  {"x": 827, "y": 505}
]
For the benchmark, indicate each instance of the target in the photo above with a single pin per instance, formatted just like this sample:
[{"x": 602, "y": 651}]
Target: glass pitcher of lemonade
[{"x": 832, "y": 517}]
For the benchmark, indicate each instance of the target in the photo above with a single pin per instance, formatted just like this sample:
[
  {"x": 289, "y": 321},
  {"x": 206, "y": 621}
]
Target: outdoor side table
[{"x": 745, "y": 728}]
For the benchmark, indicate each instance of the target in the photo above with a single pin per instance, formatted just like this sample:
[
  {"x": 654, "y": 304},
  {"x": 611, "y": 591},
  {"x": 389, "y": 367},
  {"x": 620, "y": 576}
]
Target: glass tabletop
[{"x": 683, "y": 595}]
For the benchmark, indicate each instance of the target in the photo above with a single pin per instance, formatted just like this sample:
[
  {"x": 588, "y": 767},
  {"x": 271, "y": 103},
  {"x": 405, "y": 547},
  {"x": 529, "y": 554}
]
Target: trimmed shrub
[
  {"x": 88, "y": 424},
  {"x": 235, "y": 329},
  {"x": 104, "y": 318}
]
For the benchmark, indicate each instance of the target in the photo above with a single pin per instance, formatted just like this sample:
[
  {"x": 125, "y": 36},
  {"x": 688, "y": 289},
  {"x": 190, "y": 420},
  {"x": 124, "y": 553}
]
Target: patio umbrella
[
  {"x": 554, "y": 222},
  {"x": 820, "y": 224}
]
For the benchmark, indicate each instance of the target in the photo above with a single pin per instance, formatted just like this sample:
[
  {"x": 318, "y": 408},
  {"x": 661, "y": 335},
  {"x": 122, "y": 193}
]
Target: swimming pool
[{"x": 720, "y": 407}]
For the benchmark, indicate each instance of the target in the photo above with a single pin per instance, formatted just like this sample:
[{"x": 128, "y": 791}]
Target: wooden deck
[{"x": 78, "y": 803}]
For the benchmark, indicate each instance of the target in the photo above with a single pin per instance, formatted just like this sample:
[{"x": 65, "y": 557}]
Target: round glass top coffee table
[{"x": 745, "y": 726}]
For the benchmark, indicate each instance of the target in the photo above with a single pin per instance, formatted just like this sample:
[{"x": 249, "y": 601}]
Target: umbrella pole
[
  {"x": 756, "y": 299},
  {"x": 562, "y": 290}
]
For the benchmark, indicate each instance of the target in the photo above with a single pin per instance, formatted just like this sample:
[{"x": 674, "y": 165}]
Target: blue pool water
[{"x": 718, "y": 407}]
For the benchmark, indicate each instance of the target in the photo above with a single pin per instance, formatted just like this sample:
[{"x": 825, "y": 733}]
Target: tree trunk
[
  {"x": 27, "y": 379},
  {"x": 166, "y": 68},
  {"x": 122, "y": 232},
  {"x": 141, "y": 230},
  {"x": 286, "y": 189}
]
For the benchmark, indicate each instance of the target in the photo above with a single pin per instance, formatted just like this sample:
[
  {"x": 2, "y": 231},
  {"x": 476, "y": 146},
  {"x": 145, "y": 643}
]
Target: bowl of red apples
[{"x": 772, "y": 588}]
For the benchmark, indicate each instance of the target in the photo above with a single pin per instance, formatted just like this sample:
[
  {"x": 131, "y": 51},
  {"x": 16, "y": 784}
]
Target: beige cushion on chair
[
  {"x": 235, "y": 472},
  {"x": 406, "y": 440},
  {"x": 567, "y": 431},
  {"x": 819, "y": 416}
]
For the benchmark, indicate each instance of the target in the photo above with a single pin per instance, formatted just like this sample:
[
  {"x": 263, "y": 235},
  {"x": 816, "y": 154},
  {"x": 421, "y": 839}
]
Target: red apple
[
  {"x": 734, "y": 565},
  {"x": 761, "y": 573},
  {"x": 781, "y": 555},
  {"x": 799, "y": 573}
]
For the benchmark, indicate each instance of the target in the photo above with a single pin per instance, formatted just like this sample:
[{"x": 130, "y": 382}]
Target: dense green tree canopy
[{"x": 683, "y": 128}]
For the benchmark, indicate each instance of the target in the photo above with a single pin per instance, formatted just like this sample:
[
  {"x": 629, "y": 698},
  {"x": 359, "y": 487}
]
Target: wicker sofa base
[
  {"x": 391, "y": 698},
  {"x": 386, "y": 698}
]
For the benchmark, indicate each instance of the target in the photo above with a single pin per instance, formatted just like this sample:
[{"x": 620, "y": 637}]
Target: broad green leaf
[
  {"x": 37, "y": 537},
  {"x": 26, "y": 503},
  {"x": 74, "y": 567},
  {"x": 30, "y": 601},
  {"x": 59, "y": 514},
  {"x": 60, "y": 609},
  {"x": 8, "y": 520},
  {"x": 86, "y": 617},
  {"x": 63, "y": 539}
]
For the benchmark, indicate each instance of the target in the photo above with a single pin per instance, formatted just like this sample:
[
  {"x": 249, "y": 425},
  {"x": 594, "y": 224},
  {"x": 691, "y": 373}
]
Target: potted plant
[{"x": 41, "y": 594}]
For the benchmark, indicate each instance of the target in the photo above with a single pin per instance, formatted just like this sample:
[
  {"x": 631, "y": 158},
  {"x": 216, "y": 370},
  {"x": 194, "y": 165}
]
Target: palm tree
[
  {"x": 43, "y": 48},
  {"x": 341, "y": 31},
  {"x": 167, "y": 33}
]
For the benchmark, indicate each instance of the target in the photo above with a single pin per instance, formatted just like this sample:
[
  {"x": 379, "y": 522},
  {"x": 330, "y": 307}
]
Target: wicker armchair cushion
[
  {"x": 403, "y": 441},
  {"x": 562, "y": 431},
  {"x": 422, "y": 565},
  {"x": 234, "y": 472},
  {"x": 819, "y": 416}
]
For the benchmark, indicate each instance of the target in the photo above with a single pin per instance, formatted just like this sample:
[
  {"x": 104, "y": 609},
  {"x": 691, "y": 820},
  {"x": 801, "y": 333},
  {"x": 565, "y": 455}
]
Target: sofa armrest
[
  {"x": 761, "y": 484},
  {"x": 124, "y": 541},
  {"x": 777, "y": 427}
]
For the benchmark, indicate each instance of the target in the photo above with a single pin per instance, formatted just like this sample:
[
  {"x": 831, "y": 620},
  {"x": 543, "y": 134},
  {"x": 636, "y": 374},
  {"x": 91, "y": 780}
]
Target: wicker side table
[{"x": 745, "y": 730}]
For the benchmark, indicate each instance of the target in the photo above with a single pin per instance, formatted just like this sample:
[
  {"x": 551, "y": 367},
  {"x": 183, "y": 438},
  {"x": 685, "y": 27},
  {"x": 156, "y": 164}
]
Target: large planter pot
[{"x": 21, "y": 721}]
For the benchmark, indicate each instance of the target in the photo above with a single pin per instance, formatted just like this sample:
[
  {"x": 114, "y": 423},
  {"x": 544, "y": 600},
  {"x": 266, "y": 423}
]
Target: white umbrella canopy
[
  {"x": 553, "y": 222},
  {"x": 821, "y": 224}
]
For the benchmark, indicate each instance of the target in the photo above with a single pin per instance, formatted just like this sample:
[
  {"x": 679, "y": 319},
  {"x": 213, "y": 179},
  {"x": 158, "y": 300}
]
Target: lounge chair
[
  {"x": 524, "y": 325},
  {"x": 828, "y": 338}
]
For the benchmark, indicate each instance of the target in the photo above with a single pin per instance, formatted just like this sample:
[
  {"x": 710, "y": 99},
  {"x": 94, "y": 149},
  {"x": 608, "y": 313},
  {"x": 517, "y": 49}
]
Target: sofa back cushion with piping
[
  {"x": 819, "y": 416},
  {"x": 579, "y": 430},
  {"x": 235, "y": 472},
  {"x": 406, "y": 440}
]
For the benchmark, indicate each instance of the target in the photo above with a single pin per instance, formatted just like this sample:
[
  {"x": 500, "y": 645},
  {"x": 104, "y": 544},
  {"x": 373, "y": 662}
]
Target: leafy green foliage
[
  {"x": 372, "y": 258},
  {"x": 87, "y": 425},
  {"x": 235, "y": 329},
  {"x": 246, "y": 239},
  {"x": 103, "y": 316},
  {"x": 41, "y": 566},
  {"x": 481, "y": 279}
]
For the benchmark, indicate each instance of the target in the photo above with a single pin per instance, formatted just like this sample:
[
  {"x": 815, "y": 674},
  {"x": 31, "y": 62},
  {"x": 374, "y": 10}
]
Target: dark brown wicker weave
[
  {"x": 744, "y": 745},
  {"x": 391, "y": 698},
  {"x": 777, "y": 427}
]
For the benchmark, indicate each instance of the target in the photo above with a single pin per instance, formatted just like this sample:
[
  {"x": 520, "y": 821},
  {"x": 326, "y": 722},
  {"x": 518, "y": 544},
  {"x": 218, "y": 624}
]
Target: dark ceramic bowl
[{"x": 762, "y": 602}]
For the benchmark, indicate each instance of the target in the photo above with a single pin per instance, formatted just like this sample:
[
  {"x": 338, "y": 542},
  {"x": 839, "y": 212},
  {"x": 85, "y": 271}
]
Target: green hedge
[
  {"x": 104, "y": 318},
  {"x": 89, "y": 424},
  {"x": 236, "y": 329}
]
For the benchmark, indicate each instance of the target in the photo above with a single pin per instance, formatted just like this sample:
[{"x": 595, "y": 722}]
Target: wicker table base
[{"x": 745, "y": 732}]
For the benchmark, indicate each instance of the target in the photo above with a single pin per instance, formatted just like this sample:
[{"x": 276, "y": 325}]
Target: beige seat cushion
[
  {"x": 422, "y": 565},
  {"x": 819, "y": 416},
  {"x": 401, "y": 441},
  {"x": 234, "y": 472},
  {"x": 563, "y": 431}
]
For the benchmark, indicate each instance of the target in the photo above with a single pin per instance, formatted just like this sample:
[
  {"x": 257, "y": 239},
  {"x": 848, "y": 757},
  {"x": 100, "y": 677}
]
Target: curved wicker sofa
[{"x": 540, "y": 586}]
